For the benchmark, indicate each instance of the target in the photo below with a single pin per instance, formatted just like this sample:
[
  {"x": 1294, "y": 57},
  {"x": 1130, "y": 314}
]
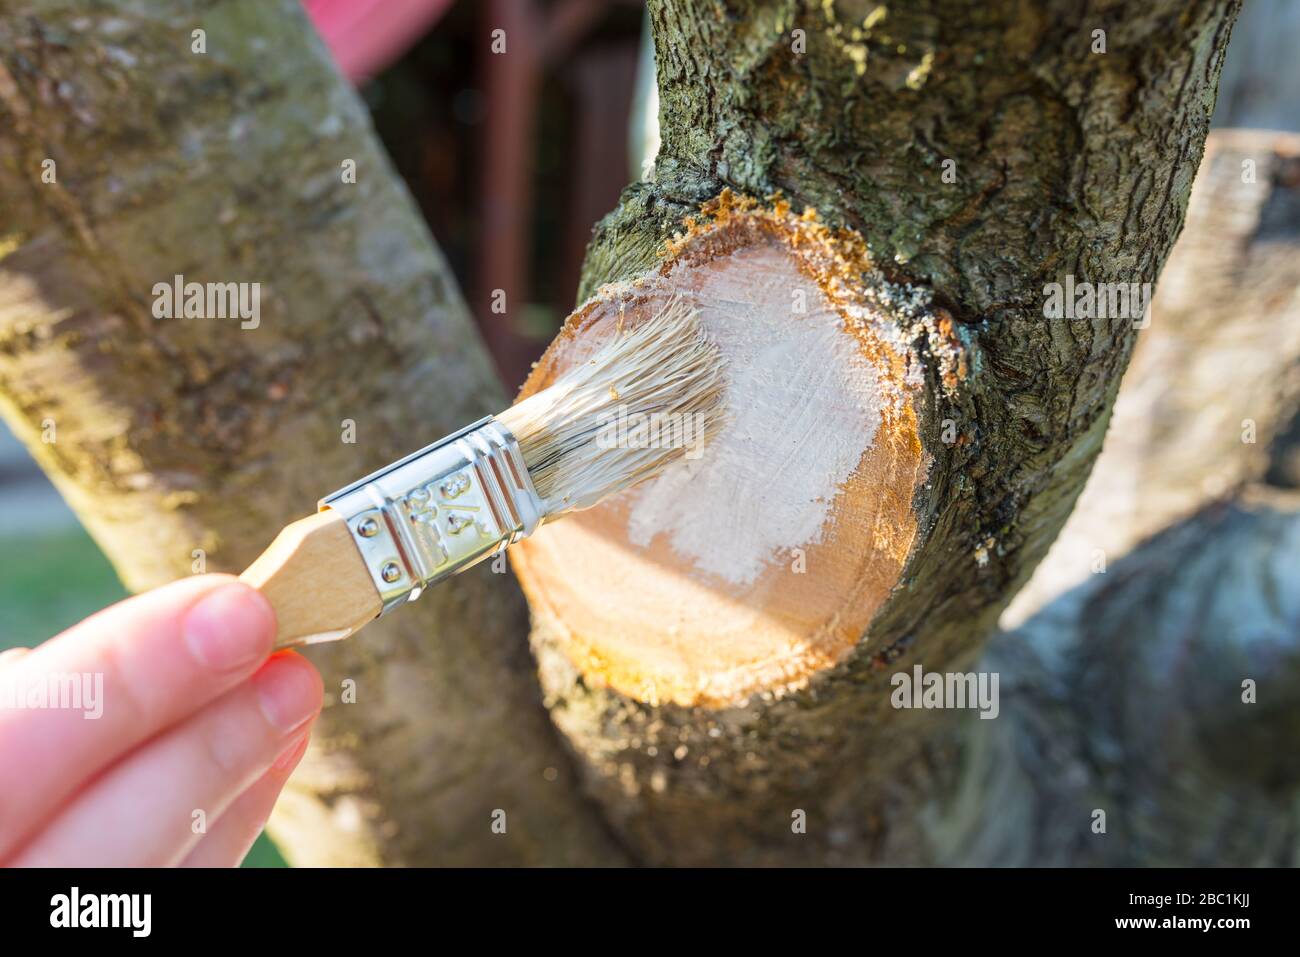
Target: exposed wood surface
[
  {"x": 759, "y": 563},
  {"x": 1067, "y": 162}
]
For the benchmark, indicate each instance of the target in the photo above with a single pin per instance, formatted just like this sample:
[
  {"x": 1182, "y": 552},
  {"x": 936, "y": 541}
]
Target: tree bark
[
  {"x": 1123, "y": 681},
  {"x": 1213, "y": 391},
  {"x": 177, "y": 435},
  {"x": 1067, "y": 161},
  {"x": 182, "y": 434}
]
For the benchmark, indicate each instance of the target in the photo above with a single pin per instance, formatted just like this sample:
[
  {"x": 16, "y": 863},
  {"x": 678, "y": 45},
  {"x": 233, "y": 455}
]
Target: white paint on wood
[{"x": 802, "y": 404}]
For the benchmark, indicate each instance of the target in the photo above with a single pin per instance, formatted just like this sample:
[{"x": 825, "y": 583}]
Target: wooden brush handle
[{"x": 316, "y": 580}]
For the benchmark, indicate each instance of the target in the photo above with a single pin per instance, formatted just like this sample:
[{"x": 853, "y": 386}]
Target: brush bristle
[{"x": 580, "y": 437}]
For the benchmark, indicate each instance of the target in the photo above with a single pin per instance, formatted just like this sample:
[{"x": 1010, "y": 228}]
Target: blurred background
[{"x": 512, "y": 159}]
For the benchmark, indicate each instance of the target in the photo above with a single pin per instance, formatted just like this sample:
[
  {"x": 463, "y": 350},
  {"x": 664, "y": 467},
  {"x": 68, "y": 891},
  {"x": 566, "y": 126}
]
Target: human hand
[{"x": 178, "y": 718}]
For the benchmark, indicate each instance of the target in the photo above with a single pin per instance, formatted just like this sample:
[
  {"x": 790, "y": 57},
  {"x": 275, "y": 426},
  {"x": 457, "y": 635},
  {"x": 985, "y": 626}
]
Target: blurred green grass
[{"x": 51, "y": 581}]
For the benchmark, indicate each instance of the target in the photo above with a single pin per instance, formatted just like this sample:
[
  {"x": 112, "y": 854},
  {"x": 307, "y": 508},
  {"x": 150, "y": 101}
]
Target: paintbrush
[{"x": 378, "y": 543}]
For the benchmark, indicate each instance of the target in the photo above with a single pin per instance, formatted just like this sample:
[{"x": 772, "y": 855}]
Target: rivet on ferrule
[{"x": 440, "y": 510}]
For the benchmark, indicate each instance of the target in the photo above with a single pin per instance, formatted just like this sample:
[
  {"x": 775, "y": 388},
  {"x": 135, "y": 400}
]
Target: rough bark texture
[
  {"x": 1067, "y": 162},
  {"x": 183, "y": 434},
  {"x": 1123, "y": 689},
  {"x": 1214, "y": 386}
]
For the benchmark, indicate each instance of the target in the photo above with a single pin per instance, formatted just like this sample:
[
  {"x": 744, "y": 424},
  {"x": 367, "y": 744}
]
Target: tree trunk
[
  {"x": 1124, "y": 692},
  {"x": 184, "y": 442},
  {"x": 980, "y": 152},
  {"x": 1214, "y": 387},
  {"x": 1060, "y": 160}
]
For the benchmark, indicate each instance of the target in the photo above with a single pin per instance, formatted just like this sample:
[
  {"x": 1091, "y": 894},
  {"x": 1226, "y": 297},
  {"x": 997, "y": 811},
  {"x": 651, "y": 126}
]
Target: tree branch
[
  {"x": 182, "y": 434},
  {"x": 1067, "y": 162}
]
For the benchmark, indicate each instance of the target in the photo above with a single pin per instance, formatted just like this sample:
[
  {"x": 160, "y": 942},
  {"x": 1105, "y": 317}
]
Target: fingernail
[
  {"x": 291, "y": 754},
  {"x": 230, "y": 628},
  {"x": 288, "y": 691},
  {"x": 13, "y": 654}
]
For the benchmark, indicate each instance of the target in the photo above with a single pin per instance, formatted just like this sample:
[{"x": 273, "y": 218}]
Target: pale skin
[{"x": 197, "y": 716}]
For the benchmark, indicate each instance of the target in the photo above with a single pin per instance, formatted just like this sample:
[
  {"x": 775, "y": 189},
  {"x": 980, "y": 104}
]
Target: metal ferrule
[{"x": 440, "y": 510}]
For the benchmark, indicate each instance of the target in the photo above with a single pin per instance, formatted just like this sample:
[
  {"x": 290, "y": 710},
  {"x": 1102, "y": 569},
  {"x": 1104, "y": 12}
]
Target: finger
[
  {"x": 135, "y": 669},
  {"x": 143, "y": 812},
  {"x": 227, "y": 843}
]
